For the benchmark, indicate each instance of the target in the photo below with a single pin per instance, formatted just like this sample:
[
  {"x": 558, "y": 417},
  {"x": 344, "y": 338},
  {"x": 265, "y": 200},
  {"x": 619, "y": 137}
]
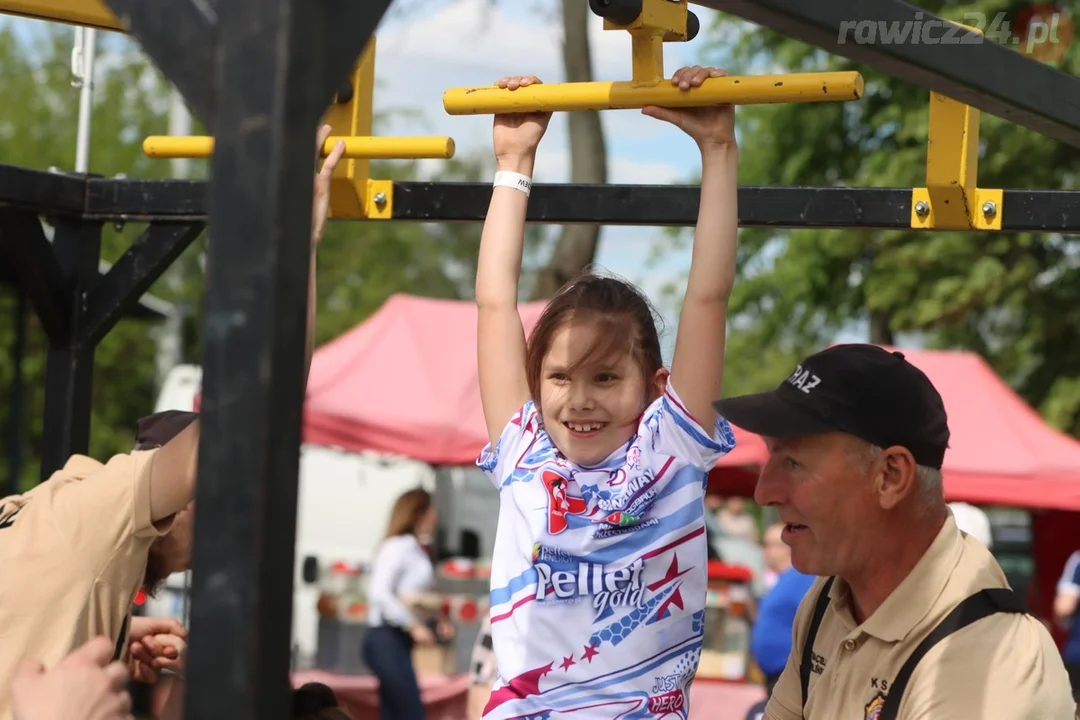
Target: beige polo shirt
[
  {"x": 1003, "y": 667},
  {"x": 73, "y": 553}
]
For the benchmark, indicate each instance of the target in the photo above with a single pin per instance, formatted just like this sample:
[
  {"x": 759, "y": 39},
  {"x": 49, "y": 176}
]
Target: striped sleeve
[
  {"x": 672, "y": 431},
  {"x": 499, "y": 462}
]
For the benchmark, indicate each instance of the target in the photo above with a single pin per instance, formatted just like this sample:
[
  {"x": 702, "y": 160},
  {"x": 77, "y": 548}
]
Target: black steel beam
[
  {"x": 181, "y": 37},
  {"x": 977, "y": 71},
  {"x": 145, "y": 200},
  {"x": 24, "y": 247},
  {"x": 69, "y": 367},
  {"x": 18, "y": 384},
  {"x": 660, "y": 205},
  {"x": 274, "y": 64},
  {"x": 140, "y": 266},
  {"x": 865, "y": 208},
  {"x": 46, "y": 192},
  {"x": 675, "y": 205}
]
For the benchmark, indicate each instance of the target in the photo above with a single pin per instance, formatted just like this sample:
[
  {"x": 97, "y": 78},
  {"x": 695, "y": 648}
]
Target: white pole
[
  {"x": 86, "y": 100},
  {"x": 179, "y": 124},
  {"x": 169, "y": 351}
]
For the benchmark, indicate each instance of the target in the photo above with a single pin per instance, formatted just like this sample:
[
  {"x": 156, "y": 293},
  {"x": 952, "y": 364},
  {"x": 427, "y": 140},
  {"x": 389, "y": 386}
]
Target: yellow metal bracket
[
  {"x": 89, "y": 13},
  {"x": 353, "y": 194},
  {"x": 651, "y": 23},
  {"x": 657, "y": 22},
  {"x": 952, "y": 199},
  {"x": 379, "y": 200}
]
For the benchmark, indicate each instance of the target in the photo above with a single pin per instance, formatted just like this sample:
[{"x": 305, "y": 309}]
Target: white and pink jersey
[{"x": 598, "y": 576}]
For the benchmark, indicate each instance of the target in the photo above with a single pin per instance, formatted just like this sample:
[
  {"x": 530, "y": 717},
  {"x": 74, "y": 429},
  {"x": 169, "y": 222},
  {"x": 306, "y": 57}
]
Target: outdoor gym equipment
[
  {"x": 651, "y": 23},
  {"x": 353, "y": 194},
  {"x": 359, "y": 148}
]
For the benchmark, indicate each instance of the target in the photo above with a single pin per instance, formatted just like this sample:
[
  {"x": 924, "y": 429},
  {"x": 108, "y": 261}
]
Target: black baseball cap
[
  {"x": 155, "y": 430},
  {"x": 864, "y": 390}
]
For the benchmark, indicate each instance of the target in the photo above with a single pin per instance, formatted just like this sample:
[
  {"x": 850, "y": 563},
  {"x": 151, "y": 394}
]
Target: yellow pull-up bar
[
  {"x": 568, "y": 97},
  {"x": 91, "y": 13},
  {"x": 354, "y": 193},
  {"x": 651, "y": 23},
  {"x": 357, "y": 148}
]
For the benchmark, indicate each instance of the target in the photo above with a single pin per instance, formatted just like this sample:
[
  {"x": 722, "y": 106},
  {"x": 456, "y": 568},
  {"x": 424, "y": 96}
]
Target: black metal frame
[
  {"x": 175, "y": 204},
  {"x": 261, "y": 73}
]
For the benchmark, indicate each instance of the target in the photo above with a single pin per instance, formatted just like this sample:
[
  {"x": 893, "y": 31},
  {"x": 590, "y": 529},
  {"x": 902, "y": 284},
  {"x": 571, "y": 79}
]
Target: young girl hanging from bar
[{"x": 599, "y": 453}]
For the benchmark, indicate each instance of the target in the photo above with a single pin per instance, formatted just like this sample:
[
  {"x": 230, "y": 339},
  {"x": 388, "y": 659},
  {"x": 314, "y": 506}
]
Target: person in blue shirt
[
  {"x": 1065, "y": 612},
  {"x": 770, "y": 642}
]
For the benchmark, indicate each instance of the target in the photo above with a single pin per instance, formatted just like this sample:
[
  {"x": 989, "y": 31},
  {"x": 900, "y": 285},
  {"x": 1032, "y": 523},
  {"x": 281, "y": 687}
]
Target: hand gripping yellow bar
[
  {"x": 358, "y": 148},
  {"x": 568, "y": 97}
]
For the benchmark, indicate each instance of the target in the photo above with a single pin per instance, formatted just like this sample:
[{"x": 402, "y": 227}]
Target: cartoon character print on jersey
[{"x": 560, "y": 502}]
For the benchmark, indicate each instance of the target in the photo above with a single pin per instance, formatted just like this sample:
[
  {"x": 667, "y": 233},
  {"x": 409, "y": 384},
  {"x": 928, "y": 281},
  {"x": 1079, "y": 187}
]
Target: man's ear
[{"x": 895, "y": 476}]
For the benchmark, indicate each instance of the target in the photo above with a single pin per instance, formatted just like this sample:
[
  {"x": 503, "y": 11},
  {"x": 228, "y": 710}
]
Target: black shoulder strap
[
  {"x": 121, "y": 644},
  {"x": 974, "y": 608},
  {"x": 811, "y": 635}
]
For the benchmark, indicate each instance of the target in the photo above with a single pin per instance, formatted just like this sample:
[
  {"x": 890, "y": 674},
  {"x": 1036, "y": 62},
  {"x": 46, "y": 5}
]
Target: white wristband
[{"x": 505, "y": 178}]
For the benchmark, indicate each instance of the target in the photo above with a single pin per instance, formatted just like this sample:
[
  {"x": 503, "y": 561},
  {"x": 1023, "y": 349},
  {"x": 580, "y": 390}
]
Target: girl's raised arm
[
  {"x": 500, "y": 336},
  {"x": 697, "y": 369}
]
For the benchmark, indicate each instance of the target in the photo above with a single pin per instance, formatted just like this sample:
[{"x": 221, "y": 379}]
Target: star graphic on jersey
[
  {"x": 524, "y": 685},
  {"x": 567, "y": 662},
  {"x": 673, "y": 573},
  {"x": 590, "y": 653}
]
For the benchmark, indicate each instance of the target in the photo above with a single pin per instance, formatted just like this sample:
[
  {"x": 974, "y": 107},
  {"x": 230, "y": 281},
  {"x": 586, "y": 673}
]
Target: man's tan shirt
[
  {"x": 1003, "y": 667},
  {"x": 73, "y": 553}
]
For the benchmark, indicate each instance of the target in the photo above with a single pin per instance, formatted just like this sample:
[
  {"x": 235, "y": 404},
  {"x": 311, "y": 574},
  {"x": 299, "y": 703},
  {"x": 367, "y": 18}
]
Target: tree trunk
[
  {"x": 880, "y": 332},
  {"x": 577, "y": 244}
]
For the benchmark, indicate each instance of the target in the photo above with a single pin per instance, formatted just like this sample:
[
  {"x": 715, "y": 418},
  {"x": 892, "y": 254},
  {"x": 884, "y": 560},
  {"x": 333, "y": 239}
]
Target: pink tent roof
[
  {"x": 404, "y": 382},
  {"x": 1001, "y": 451}
]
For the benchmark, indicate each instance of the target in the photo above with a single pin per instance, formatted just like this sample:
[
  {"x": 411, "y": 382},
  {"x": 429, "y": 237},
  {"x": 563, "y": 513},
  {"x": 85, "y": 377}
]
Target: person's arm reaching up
[
  {"x": 172, "y": 484},
  {"x": 697, "y": 367},
  {"x": 500, "y": 336}
]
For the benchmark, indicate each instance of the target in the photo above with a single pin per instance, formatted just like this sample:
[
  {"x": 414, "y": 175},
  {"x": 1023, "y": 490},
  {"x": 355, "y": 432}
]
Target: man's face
[
  {"x": 825, "y": 500},
  {"x": 171, "y": 553}
]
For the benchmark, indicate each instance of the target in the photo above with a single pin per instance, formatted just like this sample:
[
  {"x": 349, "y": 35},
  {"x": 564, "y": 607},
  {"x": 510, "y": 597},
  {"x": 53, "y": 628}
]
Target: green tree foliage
[
  {"x": 38, "y": 121},
  {"x": 360, "y": 263},
  {"x": 1014, "y": 298}
]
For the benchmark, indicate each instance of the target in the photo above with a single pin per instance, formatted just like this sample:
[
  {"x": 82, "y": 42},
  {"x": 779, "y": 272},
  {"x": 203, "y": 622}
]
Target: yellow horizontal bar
[
  {"x": 743, "y": 90},
  {"x": 91, "y": 13},
  {"x": 357, "y": 148}
]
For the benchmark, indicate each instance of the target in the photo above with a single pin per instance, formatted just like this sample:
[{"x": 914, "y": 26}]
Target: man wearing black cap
[
  {"x": 75, "y": 550},
  {"x": 910, "y": 618}
]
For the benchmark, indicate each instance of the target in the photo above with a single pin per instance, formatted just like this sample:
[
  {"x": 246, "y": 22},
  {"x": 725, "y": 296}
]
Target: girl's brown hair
[
  {"x": 407, "y": 511},
  {"x": 625, "y": 321}
]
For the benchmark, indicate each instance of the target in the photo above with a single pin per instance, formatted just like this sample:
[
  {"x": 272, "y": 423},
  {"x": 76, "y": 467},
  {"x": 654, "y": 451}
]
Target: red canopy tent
[{"x": 404, "y": 382}]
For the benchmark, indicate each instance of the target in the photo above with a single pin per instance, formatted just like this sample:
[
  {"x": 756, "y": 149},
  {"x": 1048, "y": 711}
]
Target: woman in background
[{"x": 402, "y": 569}]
